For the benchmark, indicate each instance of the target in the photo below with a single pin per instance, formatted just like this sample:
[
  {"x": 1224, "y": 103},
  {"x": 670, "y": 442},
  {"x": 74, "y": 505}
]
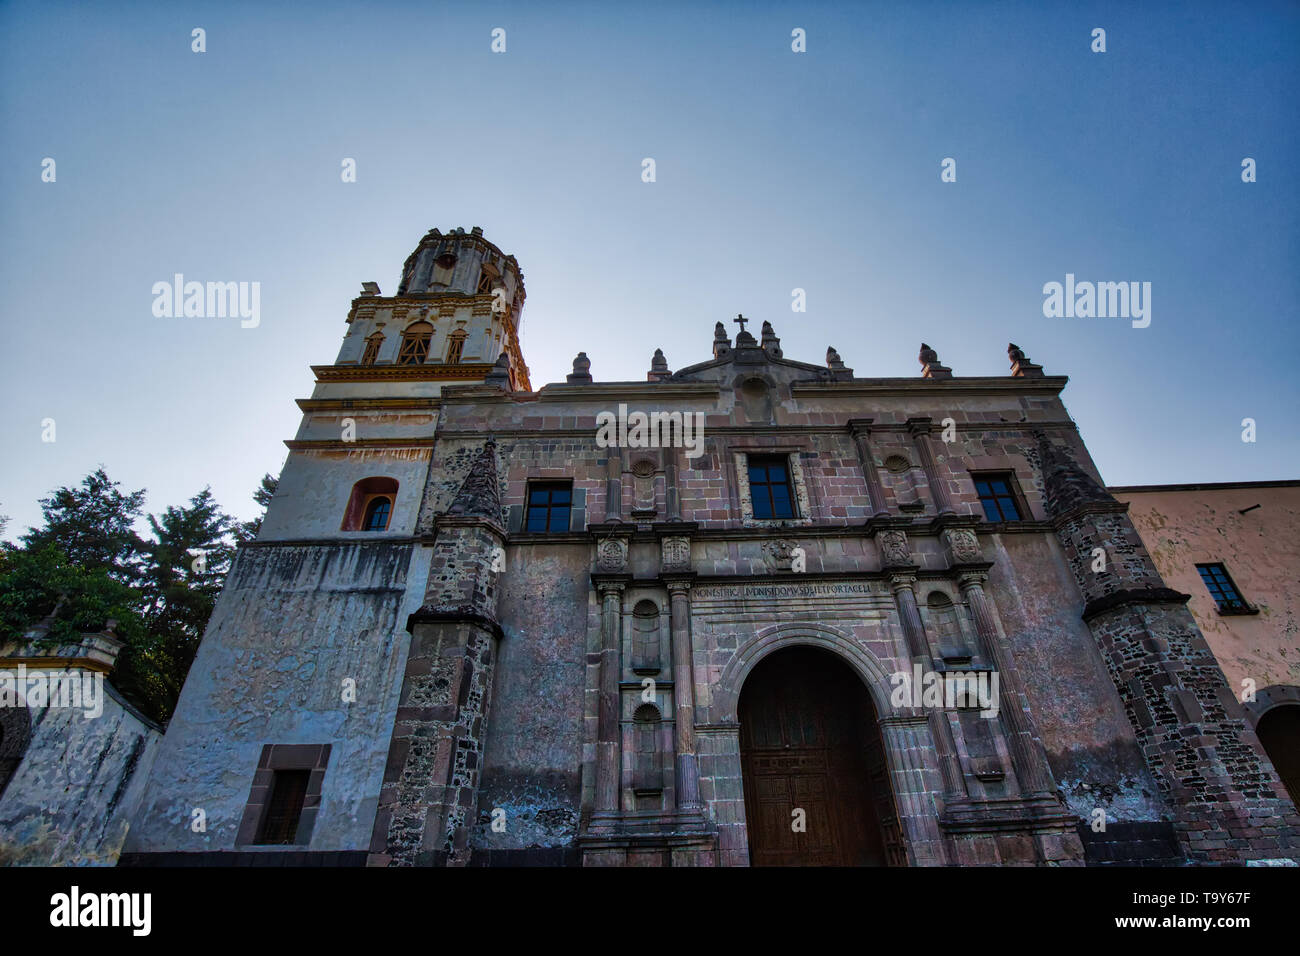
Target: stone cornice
[
  {"x": 929, "y": 386},
  {"x": 362, "y": 404},
  {"x": 467, "y": 373},
  {"x": 516, "y": 430},
  {"x": 337, "y": 444},
  {"x": 624, "y": 390},
  {"x": 1132, "y": 596}
]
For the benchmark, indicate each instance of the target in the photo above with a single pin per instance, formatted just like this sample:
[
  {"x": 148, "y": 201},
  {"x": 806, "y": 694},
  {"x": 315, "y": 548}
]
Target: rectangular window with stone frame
[
  {"x": 549, "y": 505},
  {"x": 999, "y": 496},
  {"x": 285, "y": 797},
  {"x": 770, "y": 488}
]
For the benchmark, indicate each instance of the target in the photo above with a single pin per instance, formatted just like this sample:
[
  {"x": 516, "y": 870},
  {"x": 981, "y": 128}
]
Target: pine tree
[
  {"x": 94, "y": 526},
  {"x": 247, "y": 530}
]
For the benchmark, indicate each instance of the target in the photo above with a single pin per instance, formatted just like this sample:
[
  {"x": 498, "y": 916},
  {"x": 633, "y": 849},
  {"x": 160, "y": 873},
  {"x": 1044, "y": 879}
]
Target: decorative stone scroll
[
  {"x": 893, "y": 549},
  {"x": 611, "y": 556},
  {"x": 963, "y": 546},
  {"x": 676, "y": 554}
]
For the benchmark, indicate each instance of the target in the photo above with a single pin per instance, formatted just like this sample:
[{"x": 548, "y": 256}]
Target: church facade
[{"x": 750, "y": 611}]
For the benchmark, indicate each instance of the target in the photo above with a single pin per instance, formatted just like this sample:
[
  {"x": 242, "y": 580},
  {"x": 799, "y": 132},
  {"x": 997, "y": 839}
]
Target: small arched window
[
  {"x": 377, "y": 513},
  {"x": 371, "y": 353},
  {"x": 647, "y": 767},
  {"x": 370, "y": 506},
  {"x": 455, "y": 345},
  {"x": 946, "y": 626},
  {"x": 15, "y": 734},
  {"x": 415, "y": 344},
  {"x": 645, "y": 638}
]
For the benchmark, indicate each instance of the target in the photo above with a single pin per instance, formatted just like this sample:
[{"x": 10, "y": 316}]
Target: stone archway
[
  {"x": 1275, "y": 713},
  {"x": 817, "y": 790},
  {"x": 15, "y": 735}
]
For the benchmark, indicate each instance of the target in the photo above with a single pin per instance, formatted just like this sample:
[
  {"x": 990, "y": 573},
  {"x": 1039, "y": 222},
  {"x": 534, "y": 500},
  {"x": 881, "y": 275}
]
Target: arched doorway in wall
[
  {"x": 810, "y": 741},
  {"x": 1279, "y": 734},
  {"x": 15, "y": 734}
]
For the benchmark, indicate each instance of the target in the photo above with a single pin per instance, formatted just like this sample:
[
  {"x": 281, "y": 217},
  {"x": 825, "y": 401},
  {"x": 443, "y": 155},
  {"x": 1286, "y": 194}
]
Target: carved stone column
[
  {"x": 1022, "y": 738},
  {"x": 672, "y": 493},
  {"x": 607, "y": 729},
  {"x": 860, "y": 429},
  {"x": 688, "y": 771},
  {"x": 614, "y": 485},
  {"x": 897, "y": 559},
  {"x": 919, "y": 428}
]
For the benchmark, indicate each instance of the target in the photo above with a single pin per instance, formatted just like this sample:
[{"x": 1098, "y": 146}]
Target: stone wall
[
  {"x": 292, "y": 625},
  {"x": 73, "y": 795}
]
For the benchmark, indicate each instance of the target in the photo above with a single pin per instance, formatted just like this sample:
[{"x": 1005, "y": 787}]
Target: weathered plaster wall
[
  {"x": 315, "y": 487},
  {"x": 1260, "y": 549},
  {"x": 291, "y": 625},
  {"x": 71, "y": 800},
  {"x": 533, "y": 768},
  {"x": 1091, "y": 746}
]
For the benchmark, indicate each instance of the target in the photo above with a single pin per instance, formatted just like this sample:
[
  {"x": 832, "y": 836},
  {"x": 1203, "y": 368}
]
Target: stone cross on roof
[{"x": 741, "y": 320}]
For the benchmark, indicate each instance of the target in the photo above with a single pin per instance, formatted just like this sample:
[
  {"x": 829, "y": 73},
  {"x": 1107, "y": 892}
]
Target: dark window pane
[
  {"x": 537, "y": 520},
  {"x": 560, "y": 496},
  {"x": 377, "y": 515},
  {"x": 559, "y": 519},
  {"x": 288, "y": 791},
  {"x": 757, "y": 474},
  {"x": 996, "y": 497},
  {"x": 781, "y": 502},
  {"x": 762, "y": 503}
]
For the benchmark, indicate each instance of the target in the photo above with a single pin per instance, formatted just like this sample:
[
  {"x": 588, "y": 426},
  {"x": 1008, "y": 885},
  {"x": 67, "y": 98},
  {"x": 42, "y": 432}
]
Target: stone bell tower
[
  {"x": 457, "y": 311},
  {"x": 302, "y": 673}
]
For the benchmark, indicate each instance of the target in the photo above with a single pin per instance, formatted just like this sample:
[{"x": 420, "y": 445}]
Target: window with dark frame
[
  {"x": 1221, "y": 588},
  {"x": 770, "y": 490},
  {"x": 549, "y": 505},
  {"x": 415, "y": 344},
  {"x": 997, "y": 495},
  {"x": 455, "y": 346},
  {"x": 372, "y": 349},
  {"x": 284, "y": 811},
  {"x": 377, "y": 513}
]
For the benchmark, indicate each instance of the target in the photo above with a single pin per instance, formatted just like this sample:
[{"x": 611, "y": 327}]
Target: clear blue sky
[{"x": 775, "y": 170}]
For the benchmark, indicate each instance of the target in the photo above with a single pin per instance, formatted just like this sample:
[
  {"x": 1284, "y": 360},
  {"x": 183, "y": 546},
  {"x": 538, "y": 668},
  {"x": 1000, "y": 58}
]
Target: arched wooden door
[{"x": 809, "y": 741}]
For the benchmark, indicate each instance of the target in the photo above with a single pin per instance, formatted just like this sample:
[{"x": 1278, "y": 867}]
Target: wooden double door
[{"x": 810, "y": 742}]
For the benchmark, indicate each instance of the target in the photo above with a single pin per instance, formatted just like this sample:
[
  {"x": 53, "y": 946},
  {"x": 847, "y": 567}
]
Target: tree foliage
[{"x": 87, "y": 565}]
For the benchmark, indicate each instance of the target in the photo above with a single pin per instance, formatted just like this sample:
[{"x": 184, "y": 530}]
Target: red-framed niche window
[{"x": 370, "y": 507}]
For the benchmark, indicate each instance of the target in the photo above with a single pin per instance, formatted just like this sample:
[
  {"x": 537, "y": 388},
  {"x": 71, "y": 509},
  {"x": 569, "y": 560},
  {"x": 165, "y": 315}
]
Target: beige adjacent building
[{"x": 1235, "y": 548}]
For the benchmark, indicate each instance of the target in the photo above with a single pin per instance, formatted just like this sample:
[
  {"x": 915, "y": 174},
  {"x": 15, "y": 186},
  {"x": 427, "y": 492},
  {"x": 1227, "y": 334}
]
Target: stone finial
[
  {"x": 658, "y": 368},
  {"x": 499, "y": 375},
  {"x": 744, "y": 338},
  {"x": 1021, "y": 367},
  {"x": 370, "y": 288},
  {"x": 1066, "y": 485},
  {"x": 476, "y": 231},
  {"x": 833, "y": 360},
  {"x": 721, "y": 344},
  {"x": 771, "y": 344},
  {"x": 930, "y": 366},
  {"x": 480, "y": 494},
  {"x": 581, "y": 374}
]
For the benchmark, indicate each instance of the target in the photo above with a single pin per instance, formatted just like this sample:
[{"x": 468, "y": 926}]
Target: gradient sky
[{"x": 775, "y": 170}]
